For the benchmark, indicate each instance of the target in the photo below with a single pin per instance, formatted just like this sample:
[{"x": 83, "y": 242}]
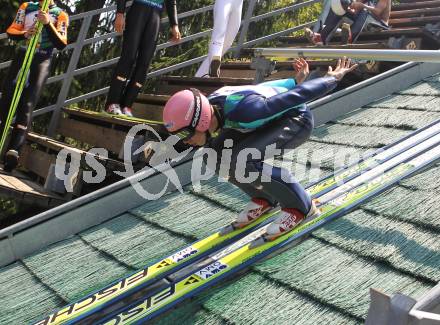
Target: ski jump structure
[
  {"x": 153, "y": 290},
  {"x": 158, "y": 287}
]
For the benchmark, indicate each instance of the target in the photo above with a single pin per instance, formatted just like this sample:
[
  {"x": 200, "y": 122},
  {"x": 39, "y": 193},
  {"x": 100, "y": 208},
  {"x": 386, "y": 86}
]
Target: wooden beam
[
  {"x": 416, "y": 5},
  {"x": 148, "y": 111},
  {"x": 152, "y": 99},
  {"x": 415, "y": 13},
  {"x": 27, "y": 192},
  {"x": 58, "y": 146},
  {"x": 204, "y": 81},
  {"x": 414, "y": 21},
  {"x": 364, "y": 37},
  {"x": 36, "y": 161},
  {"x": 172, "y": 84},
  {"x": 50, "y": 143},
  {"x": 94, "y": 135}
]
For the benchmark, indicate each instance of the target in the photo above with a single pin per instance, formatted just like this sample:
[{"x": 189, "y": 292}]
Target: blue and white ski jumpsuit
[{"x": 263, "y": 116}]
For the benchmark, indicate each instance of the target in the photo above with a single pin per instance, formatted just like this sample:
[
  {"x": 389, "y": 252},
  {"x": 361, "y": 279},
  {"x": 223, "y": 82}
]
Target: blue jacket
[{"x": 249, "y": 107}]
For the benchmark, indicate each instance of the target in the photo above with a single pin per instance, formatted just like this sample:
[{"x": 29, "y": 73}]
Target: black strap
[
  {"x": 197, "y": 108},
  {"x": 220, "y": 117}
]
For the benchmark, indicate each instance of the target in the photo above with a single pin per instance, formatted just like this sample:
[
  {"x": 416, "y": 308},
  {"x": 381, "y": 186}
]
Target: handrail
[
  {"x": 283, "y": 10},
  {"x": 360, "y": 54},
  {"x": 77, "y": 46}
]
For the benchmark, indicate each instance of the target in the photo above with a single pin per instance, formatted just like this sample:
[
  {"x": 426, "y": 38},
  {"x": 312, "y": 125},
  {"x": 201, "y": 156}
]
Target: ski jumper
[
  {"x": 53, "y": 35},
  {"x": 227, "y": 20},
  {"x": 139, "y": 43},
  {"x": 268, "y": 114},
  {"x": 360, "y": 21}
]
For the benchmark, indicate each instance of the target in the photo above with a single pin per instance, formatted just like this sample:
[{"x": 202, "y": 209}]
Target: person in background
[
  {"x": 227, "y": 20},
  {"x": 360, "y": 12},
  {"x": 141, "y": 30},
  {"x": 54, "y": 35}
]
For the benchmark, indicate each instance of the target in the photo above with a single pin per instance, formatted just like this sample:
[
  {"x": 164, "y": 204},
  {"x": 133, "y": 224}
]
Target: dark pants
[
  {"x": 287, "y": 133},
  {"x": 37, "y": 77},
  {"x": 332, "y": 23},
  {"x": 139, "y": 44}
]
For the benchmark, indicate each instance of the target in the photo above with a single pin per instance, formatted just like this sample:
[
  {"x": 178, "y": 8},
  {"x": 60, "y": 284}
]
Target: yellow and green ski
[
  {"x": 253, "y": 247},
  {"x": 152, "y": 278}
]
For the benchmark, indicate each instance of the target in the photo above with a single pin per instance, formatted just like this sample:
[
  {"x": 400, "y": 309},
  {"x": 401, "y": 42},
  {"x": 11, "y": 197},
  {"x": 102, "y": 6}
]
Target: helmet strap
[
  {"x": 197, "y": 108},
  {"x": 220, "y": 117}
]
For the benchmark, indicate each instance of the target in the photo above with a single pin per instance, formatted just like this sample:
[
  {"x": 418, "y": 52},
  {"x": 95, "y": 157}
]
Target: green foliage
[{"x": 108, "y": 49}]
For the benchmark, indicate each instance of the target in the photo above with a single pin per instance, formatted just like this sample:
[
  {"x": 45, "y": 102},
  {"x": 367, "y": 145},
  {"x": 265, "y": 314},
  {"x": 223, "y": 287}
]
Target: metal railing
[
  {"x": 73, "y": 71},
  {"x": 358, "y": 54}
]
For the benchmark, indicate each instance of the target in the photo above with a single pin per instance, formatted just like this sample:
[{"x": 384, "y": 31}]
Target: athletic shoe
[
  {"x": 314, "y": 38},
  {"x": 346, "y": 37},
  {"x": 127, "y": 111},
  {"x": 289, "y": 218},
  {"x": 253, "y": 210},
  {"x": 214, "y": 69},
  {"x": 11, "y": 160},
  {"x": 114, "y": 109}
]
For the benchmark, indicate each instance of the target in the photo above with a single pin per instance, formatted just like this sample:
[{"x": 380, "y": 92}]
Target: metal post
[
  {"x": 263, "y": 68},
  {"x": 69, "y": 74},
  {"x": 245, "y": 27}
]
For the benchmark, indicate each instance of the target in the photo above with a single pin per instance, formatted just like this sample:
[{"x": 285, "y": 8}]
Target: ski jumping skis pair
[
  {"x": 99, "y": 302},
  {"x": 253, "y": 247},
  {"x": 22, "y": 76}
]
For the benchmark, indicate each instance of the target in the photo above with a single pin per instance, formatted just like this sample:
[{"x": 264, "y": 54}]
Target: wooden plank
[
  {"x": 4, "y": 183},
  {"x": 237, "y": 73},
  {"x": 94, "y": 135},
  {"x": 58, "y": 146},
  {"x": 203, "y": 81},
  {"x": 237, "y": 69},
  {"x": 30, "y": 198},
  {"x": 416, "y": 5},
  {"x": 414, "y": 21},
  {"x": 20, "y": 185},
  {"x": 172, "y": 84},
  {"x": 172, "y": 89},
  {"x": 152, "y": 99},
  {"x": 415, "y": 12},
  {"x": 366, "y": 36},
  {"x": 51, "y": 143},
  {"x": 148, "y": 111},
  {"x": 36, "y": 161},
  {"x": 411, "y": 1}
]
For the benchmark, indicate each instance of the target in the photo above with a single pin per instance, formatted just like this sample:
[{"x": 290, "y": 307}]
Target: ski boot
[
  {"x": 11, "y": 160},
  {"x": 289, "y": 218},
  {"x": 253, "y": 210},
  {"x": 114, "y": 109},
  {"x": 214, "y": 69},
  {"x": 346, "y": 37},
  {"x": 312, "y": 37},
  {"x": 127, "y": 112}
]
